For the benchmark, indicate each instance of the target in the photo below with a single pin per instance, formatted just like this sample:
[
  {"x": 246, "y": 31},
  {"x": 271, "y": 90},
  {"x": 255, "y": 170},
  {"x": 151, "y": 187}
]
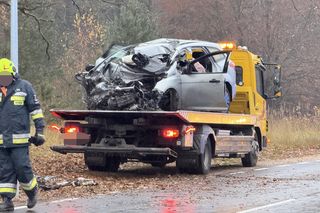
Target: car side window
[
  {"x": 219, "y": 60},
  {"x": 204, "y": 65},
  {"x": 190, "y": 54}
]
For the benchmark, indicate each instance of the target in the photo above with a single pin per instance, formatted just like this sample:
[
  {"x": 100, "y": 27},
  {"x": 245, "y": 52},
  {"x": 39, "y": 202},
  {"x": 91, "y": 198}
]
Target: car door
[{"x": 203, "y": 91}]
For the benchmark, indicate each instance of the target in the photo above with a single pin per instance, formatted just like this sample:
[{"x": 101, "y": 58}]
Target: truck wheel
[
  {"x": 100, "y": 162},
  {"x": 158, "y": 164},
  {"x": 251, "y": 159},
  {"x": 204, "y": 161},
  {"x": 96, "y": 168},
  {"x": 199, "y": 164},
  {"x": 94, "y": 161},
  {"x": 112, "y": 164}
]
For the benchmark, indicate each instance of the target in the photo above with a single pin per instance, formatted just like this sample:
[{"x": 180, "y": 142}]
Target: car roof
[{"x": 181, "y": 42}]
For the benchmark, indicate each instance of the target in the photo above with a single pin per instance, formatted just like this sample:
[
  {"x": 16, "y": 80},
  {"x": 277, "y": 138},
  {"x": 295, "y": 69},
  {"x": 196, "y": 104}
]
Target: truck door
[{"x": 203, "y": 90}]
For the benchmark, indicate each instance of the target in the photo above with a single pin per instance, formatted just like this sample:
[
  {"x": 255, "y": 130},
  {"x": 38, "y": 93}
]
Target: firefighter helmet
[{"x": 7, "y": 66}]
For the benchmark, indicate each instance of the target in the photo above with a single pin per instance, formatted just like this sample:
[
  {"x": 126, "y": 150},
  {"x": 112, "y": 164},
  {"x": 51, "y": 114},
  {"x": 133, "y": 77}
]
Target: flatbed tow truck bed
[{"x": 184, "y": 116}]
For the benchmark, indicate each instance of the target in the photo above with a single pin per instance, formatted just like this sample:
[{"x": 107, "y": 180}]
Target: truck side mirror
[{"x": 277, "y": 81}]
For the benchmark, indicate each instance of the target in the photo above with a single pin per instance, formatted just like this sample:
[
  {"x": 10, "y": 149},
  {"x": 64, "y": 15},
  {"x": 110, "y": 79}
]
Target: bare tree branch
[
  {"x": 39, "y": 29},
  {"x": 77, "y": 6},
  {"x": 26, "y": 11},
  {"x": 294, "y": 5}
]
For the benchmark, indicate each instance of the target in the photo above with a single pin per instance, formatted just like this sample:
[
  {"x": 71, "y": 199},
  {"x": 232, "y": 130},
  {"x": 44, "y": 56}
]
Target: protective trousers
[{"x": 15, "y": 165}]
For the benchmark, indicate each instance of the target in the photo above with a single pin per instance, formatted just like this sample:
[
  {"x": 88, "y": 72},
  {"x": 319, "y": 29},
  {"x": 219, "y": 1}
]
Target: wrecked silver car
[{"x": 163, "y": 74}]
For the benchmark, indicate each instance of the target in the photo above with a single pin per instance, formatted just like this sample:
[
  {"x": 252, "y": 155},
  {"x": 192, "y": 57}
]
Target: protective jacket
[{"x": 15, "y": 109}]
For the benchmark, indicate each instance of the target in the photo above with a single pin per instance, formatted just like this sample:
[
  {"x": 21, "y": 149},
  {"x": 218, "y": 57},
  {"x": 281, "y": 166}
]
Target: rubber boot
[
  {"x": 32, "y": 197},
  {"x": 7, "y": 205}
]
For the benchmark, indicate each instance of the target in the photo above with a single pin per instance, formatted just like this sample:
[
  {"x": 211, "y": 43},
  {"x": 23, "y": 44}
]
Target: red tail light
[
  {"x": 71, "y": 129},
  {"x": 170, "y": 133}
]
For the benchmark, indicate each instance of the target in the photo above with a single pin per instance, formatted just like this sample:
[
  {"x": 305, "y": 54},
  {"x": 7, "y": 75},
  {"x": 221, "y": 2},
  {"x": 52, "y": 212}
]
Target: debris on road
[{"x": 52, "y": 182}]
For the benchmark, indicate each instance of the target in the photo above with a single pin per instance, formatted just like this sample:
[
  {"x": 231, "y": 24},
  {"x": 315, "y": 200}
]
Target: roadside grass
[{"x": 293, "y": 136}]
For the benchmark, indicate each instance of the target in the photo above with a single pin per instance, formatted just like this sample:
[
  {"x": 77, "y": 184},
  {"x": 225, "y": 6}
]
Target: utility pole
[{"x": 14, "y": 48}]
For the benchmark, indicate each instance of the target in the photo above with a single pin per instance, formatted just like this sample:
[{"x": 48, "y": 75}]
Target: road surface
[{"x": 293, "y": 187}]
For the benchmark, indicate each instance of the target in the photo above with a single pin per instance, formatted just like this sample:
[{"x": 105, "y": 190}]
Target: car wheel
[{"x": 169, "y": 101}]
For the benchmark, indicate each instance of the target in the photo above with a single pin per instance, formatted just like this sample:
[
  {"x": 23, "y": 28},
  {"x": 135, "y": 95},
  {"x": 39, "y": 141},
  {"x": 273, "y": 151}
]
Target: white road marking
[
  {"x": 267, "y": 206},
  {"x": 64, "y": 200},
  {"x": 55, "y": 201},
  {"x": 235, "y": 173},
  {"x": 260, "y": 169},
  {"x": 283, "y": 165},
  {"x": 301, "y": 163},
  {"x": 20, "y": 207}
]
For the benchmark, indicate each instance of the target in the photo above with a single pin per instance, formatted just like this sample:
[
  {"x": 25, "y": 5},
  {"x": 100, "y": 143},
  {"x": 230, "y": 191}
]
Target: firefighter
[{"x": 18, "y": 102}]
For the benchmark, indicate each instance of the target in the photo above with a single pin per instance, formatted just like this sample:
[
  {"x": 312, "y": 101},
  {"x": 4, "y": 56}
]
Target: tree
[{"x": 135, "y": 23}]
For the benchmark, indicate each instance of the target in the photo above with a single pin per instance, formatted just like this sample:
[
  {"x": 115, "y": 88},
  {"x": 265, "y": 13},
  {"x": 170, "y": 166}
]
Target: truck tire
[
  {"x": 251, "y": 159},
  {"x": 100, "y": 162},
  {"x": 204, "y": 161},
  {"x": 159, "y": 164},
  {"x": 112, "y": 164},
  {"x": 196, "y": 164},
  {"x": 94, "y": 161}
]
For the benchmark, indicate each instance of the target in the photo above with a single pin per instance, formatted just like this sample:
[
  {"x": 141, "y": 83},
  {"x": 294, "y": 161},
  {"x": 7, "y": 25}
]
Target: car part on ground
[{"x": 52, "y": 182}]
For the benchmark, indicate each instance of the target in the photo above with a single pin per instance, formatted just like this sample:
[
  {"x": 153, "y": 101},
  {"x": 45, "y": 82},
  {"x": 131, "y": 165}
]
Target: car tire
[{"x": 169, "y": 101}]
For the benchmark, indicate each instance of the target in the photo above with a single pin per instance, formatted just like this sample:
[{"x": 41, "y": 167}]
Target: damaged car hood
[{"x": 123, "y": 77}]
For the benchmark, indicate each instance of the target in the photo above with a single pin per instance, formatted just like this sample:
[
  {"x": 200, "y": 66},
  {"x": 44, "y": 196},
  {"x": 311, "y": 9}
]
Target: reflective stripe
[
  {"x": 34, "y": 117},
  {"x": 8, "y": 190},
  {"x": 25, "y": 135},
  {"x": 29, "y": 186},
  {"x": 18, "y": 98},
  {"x": 8, "y": 185},
  {"x": 20, "y": 94},
  {"x": 37, "y": 111},
  {"x": 1, "y": 139},
  {"x": 20, "y": 140},
  {"x": 35, "y": 114}
]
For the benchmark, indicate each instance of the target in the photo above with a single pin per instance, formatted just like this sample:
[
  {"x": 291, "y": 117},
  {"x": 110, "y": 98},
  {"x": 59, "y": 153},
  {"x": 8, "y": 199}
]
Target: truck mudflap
[{"x": 130, "y": 151}]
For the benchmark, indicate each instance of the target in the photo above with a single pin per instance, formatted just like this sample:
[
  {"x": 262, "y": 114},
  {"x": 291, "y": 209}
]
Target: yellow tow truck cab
[{"x": 190, "y": 138}]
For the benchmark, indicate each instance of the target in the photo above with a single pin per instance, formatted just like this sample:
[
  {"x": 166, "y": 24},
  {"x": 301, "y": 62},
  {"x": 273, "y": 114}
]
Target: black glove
[{"x": 38, "y": 139}]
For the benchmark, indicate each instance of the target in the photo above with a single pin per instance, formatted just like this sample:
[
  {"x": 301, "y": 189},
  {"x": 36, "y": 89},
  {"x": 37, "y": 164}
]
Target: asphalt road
[{"x": 293, "y": 187}]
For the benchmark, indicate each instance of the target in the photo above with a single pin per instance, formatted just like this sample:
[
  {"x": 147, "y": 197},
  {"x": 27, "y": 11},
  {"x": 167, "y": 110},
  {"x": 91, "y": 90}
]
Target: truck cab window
[{"x": 260, "y": 80}]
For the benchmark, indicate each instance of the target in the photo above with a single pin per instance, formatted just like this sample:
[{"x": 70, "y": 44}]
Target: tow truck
[{"x": 108, "y": 138}]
